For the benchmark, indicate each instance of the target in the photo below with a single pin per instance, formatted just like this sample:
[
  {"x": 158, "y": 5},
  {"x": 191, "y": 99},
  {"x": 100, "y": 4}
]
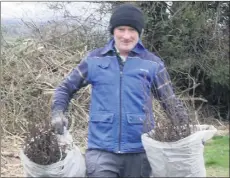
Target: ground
[
  {"x": 10, "y": 160},
  {"x": 11, "y": 164},
  {"x": 216, "y": 156}
]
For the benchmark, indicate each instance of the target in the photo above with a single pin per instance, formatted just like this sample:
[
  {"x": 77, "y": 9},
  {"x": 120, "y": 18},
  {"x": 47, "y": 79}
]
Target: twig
[
  {"x": 193, "y": 99},
  {"x": 216, "y": 21},
  {"x": 9, "y": 154},
  {"x": 48, "y": 84},
  {"x": 2, "y": 157},
  {"x": 219, "y": 122}
]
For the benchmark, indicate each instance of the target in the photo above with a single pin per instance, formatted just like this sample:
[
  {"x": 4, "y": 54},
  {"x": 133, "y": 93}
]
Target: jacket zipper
[
  {"x": 121, "y": 66},
  {"x": 119, "y": 148}
]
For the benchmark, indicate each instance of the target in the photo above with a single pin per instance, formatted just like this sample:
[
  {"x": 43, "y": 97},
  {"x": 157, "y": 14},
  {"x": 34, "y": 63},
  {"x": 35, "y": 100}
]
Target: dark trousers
[{"x": 106, "y": 164}]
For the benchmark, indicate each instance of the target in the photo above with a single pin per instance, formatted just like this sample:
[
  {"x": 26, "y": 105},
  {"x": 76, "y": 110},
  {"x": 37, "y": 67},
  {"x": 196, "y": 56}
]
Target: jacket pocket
[
  {"x": 135, "y": 119},
  {"x": 102, "y": 72},
  {"x": 135, "y": 127},
  {"x": 104, "y": 64},
  {"x": 101, "y": 130},
  {"x": 103, "y": 118}
]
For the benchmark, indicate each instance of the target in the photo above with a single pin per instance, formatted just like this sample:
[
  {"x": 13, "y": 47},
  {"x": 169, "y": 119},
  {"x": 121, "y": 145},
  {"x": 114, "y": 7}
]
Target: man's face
[{"x": 125, "y": 38}]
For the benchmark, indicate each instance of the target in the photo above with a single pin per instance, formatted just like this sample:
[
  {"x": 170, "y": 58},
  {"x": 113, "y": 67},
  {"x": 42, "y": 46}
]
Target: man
[{"x": 122, "y": 75}]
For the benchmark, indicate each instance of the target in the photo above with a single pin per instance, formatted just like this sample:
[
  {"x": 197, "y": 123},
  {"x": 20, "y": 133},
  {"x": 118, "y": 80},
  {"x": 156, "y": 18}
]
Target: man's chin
[{"x": 127, "y": 49}]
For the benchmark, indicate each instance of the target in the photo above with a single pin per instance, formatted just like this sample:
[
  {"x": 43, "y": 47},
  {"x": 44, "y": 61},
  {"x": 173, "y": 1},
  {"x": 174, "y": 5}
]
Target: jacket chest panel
[{"x": 106, "y": 70}]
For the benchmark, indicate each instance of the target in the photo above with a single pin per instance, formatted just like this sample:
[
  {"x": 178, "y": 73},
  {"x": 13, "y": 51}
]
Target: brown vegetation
[
  {"x": 33, "y": 67},
  {"x": 31, "y": 71}
]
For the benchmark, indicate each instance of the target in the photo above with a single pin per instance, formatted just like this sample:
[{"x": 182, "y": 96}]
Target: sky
[
  {"x": 39, "y": 10},
  {"x": 22, "y": 9}
]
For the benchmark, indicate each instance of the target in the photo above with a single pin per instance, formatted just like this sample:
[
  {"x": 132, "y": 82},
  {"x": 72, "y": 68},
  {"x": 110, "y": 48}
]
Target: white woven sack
[
  {"x": 73, "y": 165},
  {"x": 183, "y": 158}
]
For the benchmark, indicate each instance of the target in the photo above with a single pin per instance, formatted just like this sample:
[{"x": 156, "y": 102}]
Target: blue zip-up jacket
[{"x": 121, "y": 99}]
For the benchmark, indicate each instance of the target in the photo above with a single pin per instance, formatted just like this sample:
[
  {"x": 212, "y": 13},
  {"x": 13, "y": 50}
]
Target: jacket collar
[{"x": 110, "y": 47}]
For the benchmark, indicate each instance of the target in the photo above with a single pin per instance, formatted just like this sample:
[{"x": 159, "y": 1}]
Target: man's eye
[{"x": 131, "y": 29}]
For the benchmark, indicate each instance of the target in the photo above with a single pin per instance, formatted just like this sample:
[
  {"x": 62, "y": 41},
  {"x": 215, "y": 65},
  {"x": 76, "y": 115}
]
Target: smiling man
[{"x": 123, "y": 75}]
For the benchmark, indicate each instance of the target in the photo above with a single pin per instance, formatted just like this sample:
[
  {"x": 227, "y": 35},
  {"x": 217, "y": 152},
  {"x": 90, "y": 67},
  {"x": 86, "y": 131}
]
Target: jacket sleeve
[
  {"x": 163, "y": 91},
  {"x": 71, "y": 84}
]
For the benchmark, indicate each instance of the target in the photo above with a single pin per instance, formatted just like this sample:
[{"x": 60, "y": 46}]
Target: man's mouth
[{"x": 126, "y": 43}]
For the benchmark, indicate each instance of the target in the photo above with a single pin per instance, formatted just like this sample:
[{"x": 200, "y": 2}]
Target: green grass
[{"x": 217, "y": 156}]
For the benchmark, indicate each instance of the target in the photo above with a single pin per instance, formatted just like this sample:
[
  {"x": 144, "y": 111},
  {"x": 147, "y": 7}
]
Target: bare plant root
[
  {"x": 171, "y": 124},
  {"x": 166, "y": 129},
  {"x": 42, "y": 147},
  {"x": 41, "y": 143}
]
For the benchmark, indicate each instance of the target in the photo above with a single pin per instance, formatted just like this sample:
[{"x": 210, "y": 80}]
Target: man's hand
[{"x": 59, "y": 121}]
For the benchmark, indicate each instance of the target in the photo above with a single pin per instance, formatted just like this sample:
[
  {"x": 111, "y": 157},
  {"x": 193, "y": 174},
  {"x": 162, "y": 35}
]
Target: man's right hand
[{"x": 59, "y": 121}]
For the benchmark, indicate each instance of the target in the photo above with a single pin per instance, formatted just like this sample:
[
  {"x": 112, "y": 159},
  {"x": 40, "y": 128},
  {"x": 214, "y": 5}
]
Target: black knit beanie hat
[{"x": 127, "y": 15}]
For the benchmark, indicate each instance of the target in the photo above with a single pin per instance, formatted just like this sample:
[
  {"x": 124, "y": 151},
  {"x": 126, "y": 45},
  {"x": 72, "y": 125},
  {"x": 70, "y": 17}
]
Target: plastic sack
[
  {"x": 183, "y": 158},
  {"x": 73, "y": 165}
]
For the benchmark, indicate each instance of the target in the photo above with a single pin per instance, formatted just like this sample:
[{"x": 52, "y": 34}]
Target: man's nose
[{"x": 126, "y": 34}]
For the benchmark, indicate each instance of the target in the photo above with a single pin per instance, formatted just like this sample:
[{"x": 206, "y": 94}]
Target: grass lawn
[{"x": 217, "y": 157}]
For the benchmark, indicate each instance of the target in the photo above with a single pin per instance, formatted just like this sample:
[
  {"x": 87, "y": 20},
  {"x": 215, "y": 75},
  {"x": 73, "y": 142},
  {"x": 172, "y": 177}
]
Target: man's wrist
[{"x": 57, "y": 112}]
